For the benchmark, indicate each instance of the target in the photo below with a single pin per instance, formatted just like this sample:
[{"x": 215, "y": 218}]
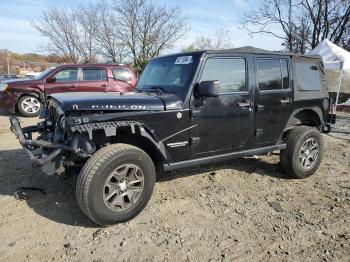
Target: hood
[
  {"x": 92, "y": 101},
  {"x": 22, "y": 82}
]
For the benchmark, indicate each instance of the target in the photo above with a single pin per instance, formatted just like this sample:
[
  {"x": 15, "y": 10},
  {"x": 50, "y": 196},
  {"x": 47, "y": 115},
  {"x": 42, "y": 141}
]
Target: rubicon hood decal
[
  {"x": 117, "y": 101},
  {"x": 120, "y": 107}
]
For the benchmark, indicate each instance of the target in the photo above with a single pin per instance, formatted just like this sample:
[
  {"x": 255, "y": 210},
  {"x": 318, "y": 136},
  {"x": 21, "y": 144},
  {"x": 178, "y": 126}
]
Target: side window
[
  {"x": 67, "y": 75},
  {"x": 121, "y": 74},
  {"x": 231, "y": 72},
  {"x": 309, "y": 78},
  {"x": 273, "y": 74},
  {"x": 94, "y": 74}
]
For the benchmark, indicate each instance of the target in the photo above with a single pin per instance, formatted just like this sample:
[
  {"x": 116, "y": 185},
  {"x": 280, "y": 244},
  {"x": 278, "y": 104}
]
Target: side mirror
[
  {"x": 209, "y": 88},
  {"x": 51, "y": 80}
]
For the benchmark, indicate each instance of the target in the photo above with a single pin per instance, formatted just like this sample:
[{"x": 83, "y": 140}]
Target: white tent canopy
[{"x": 333, "y": 56}]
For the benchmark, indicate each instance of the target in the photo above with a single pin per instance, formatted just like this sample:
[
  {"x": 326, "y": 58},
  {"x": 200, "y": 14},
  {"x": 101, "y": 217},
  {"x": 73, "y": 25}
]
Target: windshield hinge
[
  {"x": 195, "y": 113},
  {"x": 195, "y": 140}
]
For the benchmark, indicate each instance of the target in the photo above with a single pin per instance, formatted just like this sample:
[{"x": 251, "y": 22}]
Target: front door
[
  {"x": 93, "y": 80},
  {"x": 273, "y": 99},
  {"x": 225, "y": 123},
  {"x": 64, "y": 80}
]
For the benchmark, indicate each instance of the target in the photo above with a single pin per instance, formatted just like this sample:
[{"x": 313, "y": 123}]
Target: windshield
[
  {"x": 43, "y": 74},
  {"x": 171, "y": 73}
]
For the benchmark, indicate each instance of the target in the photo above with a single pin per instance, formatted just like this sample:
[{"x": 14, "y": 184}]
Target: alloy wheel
[
  {"x": 123, "y": 187},
  {"x": 31, "y": 105},
  {"x": 309, "y": 153}
]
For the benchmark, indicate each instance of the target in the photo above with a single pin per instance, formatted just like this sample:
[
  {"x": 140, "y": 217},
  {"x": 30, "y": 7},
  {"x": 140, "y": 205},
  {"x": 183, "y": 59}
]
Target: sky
[{"x": 204, "y": 16}]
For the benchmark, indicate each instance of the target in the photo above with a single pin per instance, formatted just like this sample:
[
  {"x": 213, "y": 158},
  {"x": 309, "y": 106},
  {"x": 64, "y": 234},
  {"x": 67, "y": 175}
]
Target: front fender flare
[{"x": 110, "y": 129}]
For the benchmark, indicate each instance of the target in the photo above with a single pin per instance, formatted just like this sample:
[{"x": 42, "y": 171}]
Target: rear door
[
  {"x": 273, "y": 99},
  {"x": 64, "y": 80},
  {"x": 93, "y": 79}
]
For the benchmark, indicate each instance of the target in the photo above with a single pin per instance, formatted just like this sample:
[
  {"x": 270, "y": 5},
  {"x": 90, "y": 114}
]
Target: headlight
[{"x": 3, "y": 87}]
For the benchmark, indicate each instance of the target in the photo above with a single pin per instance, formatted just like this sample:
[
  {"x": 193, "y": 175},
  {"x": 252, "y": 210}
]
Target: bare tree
[
  {"x": 86, "y": 31},
  {"x": 346, "y": 40},
  {"x": 301, "y": 24},
  {"x": 217, "y": 40},
  {"x": 70, "y": 33},
  {"x": 106, "y": 31},
  {"x": 269, "y": 14},
  {"x": 135, "y": 30},
  {"x": 146, "y": 29},
  {"x": 59, "y": 26},
  {"x": 328, "y": 19}
]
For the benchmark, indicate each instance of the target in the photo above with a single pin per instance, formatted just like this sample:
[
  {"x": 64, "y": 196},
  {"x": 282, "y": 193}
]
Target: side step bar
[{"x": 223, "y": 157}]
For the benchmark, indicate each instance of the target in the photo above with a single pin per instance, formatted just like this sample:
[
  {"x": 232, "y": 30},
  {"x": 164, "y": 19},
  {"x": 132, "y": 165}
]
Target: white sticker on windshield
[{"x": 183, "y": 60}]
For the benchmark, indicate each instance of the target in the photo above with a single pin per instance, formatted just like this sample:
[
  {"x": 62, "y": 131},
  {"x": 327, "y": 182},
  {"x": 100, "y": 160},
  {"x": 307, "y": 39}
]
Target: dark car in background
[
  {"x": 7, "y": 77},
  {"x": 27, "y": 96}
]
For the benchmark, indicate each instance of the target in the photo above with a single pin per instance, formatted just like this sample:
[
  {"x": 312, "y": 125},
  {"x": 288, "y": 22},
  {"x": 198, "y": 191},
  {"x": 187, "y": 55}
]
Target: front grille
[{"x": 54, "y": 111}]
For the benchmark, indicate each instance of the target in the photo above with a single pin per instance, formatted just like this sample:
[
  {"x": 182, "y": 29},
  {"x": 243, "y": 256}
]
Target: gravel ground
[{"x": 244, "y": 210}]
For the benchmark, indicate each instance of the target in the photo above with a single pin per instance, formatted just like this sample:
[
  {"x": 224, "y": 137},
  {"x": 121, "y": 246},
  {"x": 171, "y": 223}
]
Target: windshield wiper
[
  {"x": 159, "y": 89},
  {"x": 120, "y": 80}
]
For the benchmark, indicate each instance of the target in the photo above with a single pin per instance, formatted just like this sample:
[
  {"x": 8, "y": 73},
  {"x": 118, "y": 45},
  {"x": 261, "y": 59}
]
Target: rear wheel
[
  {"x": 115, "y": 184},
  {"x": 304, "y": 152},
  {"x": 29, "y": 106}
]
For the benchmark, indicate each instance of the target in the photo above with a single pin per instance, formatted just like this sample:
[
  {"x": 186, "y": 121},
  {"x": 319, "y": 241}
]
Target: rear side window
[
  {"x": 67, "y": 75},
  {"x": 122, "y": 74},
  {"x": 231, "y": 72},
  {"x": 273, "y": 74},
  {"x": 94, "y": 74},
  {"x": 308, "y": 76}
]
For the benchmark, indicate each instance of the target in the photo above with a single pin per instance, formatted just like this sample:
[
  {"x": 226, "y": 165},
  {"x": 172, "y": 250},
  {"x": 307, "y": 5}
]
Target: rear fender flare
[{"x": 316, "y": 110}]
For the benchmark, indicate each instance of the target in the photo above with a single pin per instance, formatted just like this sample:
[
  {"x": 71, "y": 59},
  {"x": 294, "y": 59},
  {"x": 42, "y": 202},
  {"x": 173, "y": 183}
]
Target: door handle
[
  {"x": 285, "y": 101},
  {"x": 72, "y": 86},
  {"x": 260, "y": 107},
  {"x": 104, "y": 85},
  {"x": 244, "y": 104}
]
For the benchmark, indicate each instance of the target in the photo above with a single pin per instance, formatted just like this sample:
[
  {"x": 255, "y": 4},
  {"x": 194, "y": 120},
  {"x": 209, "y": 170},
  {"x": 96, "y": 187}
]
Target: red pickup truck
[{"x": 27, "y": 96}]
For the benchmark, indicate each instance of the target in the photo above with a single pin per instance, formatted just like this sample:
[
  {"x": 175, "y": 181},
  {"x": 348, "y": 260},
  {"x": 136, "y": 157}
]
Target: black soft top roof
[{"x": 249, "y": 49}]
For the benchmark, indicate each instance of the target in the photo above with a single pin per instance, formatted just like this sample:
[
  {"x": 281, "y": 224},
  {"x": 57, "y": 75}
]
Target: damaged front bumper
[{"x": 50, "y": 161}]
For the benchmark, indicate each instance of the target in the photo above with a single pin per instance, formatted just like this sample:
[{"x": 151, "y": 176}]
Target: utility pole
[{"x": 8, "y": 65}]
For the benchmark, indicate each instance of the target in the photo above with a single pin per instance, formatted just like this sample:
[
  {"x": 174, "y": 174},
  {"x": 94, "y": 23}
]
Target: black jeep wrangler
[{"x": 188, "y": 109}]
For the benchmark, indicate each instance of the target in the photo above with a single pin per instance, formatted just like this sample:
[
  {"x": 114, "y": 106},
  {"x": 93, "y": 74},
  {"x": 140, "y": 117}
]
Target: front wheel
[
  {"x": 304, "y": 152},
  {"x": 29, "y": 106},
  {"x": 115, "y": 184}
]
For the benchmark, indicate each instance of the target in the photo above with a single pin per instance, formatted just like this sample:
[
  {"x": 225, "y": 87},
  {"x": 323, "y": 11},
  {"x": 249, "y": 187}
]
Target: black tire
[
  {"x": 33, "y": 110},
  {"x": 292, "y": 158},
  {"x": 94, "y": 175}
]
